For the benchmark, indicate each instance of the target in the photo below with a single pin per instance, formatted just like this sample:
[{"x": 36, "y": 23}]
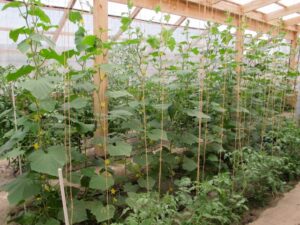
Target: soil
[
  {"x": 283, "y": 211},
  {"x": 6, "y": 175}
]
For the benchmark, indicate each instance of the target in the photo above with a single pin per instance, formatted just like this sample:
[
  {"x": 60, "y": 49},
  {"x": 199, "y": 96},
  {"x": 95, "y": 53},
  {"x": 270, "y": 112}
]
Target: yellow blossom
[
  {"x": 36, "y": 146},
  {"x": 107, "y": 162},
  {"x": 113, "y": 191},
  {"x": 36, "y": 117}
]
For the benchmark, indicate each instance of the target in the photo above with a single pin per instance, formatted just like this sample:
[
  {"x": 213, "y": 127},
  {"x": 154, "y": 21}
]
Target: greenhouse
[{"x": 149, "y": 112}]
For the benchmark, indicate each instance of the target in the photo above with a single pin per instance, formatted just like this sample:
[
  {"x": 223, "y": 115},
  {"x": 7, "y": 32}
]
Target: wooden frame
[
  {"x": 209, "y": 10},
  {"x": 100, "y": 18},
  {"x": 63, "y": 20}
]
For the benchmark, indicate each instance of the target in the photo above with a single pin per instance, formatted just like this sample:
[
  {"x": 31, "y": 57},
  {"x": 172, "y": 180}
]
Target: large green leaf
[
  {"x": 101, "y": 182},
  {"x": 40, "y": 88},
  {"x": 102, "y": 213},
  {"x": 22, "y": 71},
  {"x": 14, "y": 34},
  {"x": 189, "y": 164},
  {"x": 157, "y": 134},
  {"x": 42, "y": 38},
  {"x": 12, "y": 5},
  {"x": 24, "y": 46},
  {"x": 51, "y": 221},
  {"x": 48, "y": 162},
  {"x": 79, "y": 103},
  {"x": 189, "y": 138},
  {"x": 38, "y": 12},
  {"x": 60, "y": 58},
  {"x": 75, "y": 16},
  {"x": 118, "y": 94},
  {"x": 14, "y": 153},
  {"x": 143, "y": 182},
  {"x": 21, "y": 189},
  {"x": 16, "y": 137},
  {"x": 119, "y": 113},
  {"x": 196, "y": 113},
  {"x": 48, "y": 104},
  {"x": 120, "y": 149}
]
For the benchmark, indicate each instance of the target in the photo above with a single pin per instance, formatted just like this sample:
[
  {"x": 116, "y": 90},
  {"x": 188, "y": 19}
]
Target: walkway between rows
[{"x": 285, "y": 212}]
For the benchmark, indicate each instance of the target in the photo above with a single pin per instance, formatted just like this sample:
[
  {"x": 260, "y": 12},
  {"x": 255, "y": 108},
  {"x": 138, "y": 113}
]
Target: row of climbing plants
[{"x": 192, "y": 139}]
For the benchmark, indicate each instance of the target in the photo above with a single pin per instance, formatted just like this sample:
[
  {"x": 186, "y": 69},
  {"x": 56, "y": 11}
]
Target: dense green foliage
[{"x": 197, "y": 142}]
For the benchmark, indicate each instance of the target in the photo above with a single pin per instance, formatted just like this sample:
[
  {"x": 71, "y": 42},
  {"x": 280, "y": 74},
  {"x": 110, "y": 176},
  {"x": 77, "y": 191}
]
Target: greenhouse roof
[{"x": 262, "y": 15}]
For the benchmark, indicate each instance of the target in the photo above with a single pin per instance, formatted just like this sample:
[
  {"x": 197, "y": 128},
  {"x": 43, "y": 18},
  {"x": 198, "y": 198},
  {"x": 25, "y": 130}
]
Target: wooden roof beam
[
  {"x": 63, "y": 20},
  {"x": 180, "y": 21},
  {"x": 293, "y": 21},
  {"x": 256, "y": 4},
  {"x": 198, "y": 11},
  {"x": 134, "y": 13},
  {"x": 283, "y": 12},
  {"x": 214, "y": 1}
]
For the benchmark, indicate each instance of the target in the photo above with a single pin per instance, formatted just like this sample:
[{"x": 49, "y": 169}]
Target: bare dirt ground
[
  {"x": 285, "y": 212},
  {"x": 6, "y": 174}
]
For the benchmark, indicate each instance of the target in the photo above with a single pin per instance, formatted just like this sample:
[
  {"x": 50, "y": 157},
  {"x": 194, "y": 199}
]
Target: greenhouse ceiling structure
[
  {"x": 148, "y": 111},
  {"x": 259, "y": 16},
  {"x": 256, "y": 16}
]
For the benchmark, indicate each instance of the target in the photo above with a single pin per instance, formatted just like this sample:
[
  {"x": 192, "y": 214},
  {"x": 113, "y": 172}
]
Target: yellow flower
[
  {"x": 107, "y": 162},
  {"x": 81, "y": 21},
  {"x": 36, "y": 117},
  {"x": 36, "y": 146},
  {"x": 47, "y": 188},
  {"x": 113, "y": 191},
  {"x": 102, "y": 104}
]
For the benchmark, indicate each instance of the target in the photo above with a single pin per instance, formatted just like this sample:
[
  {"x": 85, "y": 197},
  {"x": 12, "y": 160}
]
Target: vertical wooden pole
[
  {"x": 293, "y": 54},
  {"x": 293, "y": 67},
  {"x": 100, "y": 18},
  {"x": 239, "y": 45}
]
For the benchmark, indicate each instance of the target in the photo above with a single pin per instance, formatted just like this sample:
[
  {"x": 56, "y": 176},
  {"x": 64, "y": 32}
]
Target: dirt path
[
  {"x": 6, "y": 174},
  {"x": 285, "y": 212}
]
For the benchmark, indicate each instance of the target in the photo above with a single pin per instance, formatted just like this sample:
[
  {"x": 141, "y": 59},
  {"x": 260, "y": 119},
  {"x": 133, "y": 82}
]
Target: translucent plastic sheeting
[
  {"x": 270, "y": 8},
  {"x": 241, "y": 2}
]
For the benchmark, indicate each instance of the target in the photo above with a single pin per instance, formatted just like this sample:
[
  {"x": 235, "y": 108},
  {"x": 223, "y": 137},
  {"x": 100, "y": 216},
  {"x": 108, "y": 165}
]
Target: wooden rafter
[
  {"x": 63, "y": 20},
  {"x": 256, "y": 4},
  {"x": 134, "y": 13},
  {"x": 179, "y": 22},
  {"x": 293, "y": 21},
  {"x": 293, "y": 54},
  {"x": 283, "y": 12},
  {"x": 214, "y": 1}
]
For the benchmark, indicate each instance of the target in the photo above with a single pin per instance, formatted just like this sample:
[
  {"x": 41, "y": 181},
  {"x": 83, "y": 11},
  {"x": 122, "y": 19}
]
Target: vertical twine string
[
  {"x": 200, "y": 105},
  {"x": 162, "y": 96}
]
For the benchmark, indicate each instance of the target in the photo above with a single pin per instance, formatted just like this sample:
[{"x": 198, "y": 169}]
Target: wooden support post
[
  {"x": 293, "y": 67},
  {"x": 100, "y": 17},
  {"x": 239, "y": 44},
  {"x": 293, "y": 54},
  {"x": 239, "y": 60}
]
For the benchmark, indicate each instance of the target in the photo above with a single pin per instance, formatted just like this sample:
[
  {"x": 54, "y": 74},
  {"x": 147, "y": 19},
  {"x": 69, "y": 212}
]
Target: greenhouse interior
[{"x": 149, "y": 112}]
